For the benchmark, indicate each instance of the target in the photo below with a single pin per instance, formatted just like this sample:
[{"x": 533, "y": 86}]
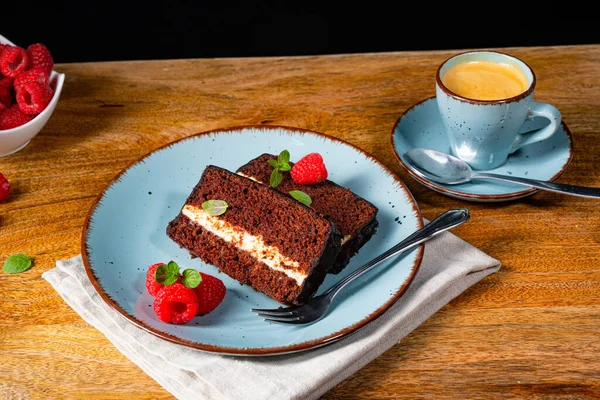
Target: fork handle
[{"x": 444, "y": 222}]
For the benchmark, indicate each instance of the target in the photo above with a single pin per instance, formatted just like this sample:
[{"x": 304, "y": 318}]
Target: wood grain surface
[{"x": 532, "y": 330}]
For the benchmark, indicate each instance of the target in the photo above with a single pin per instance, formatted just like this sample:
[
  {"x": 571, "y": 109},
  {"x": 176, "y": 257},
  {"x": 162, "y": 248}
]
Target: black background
[{"x": 107, "y": 31}]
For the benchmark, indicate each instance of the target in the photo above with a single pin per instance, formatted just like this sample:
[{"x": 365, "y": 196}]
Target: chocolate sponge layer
[{"x": 297, "y": 231}]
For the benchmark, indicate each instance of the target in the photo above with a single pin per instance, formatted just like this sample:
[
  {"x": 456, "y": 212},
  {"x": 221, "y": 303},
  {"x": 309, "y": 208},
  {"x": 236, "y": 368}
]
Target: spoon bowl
[{"x": 438, "y": 167}]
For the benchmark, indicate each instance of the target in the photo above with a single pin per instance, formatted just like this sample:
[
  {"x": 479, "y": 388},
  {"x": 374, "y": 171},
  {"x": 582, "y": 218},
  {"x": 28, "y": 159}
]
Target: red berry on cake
[
  {"x": 4, "y": 187},
  {"x": 176, "y": 304},
  {"x": 309, "y": 170},
  {"x": 14, "y": 61},
  {"x": 211, "y": 292}
]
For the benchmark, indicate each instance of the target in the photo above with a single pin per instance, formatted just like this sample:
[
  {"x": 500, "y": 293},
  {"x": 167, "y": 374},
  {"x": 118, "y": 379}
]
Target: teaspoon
[{"x": 446, "y": 169}]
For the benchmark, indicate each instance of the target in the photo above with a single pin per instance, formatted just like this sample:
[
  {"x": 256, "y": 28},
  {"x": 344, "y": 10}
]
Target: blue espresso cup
[{"x": 484, "y": 133}]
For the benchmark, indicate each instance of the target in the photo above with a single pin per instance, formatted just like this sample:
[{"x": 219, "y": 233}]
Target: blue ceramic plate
[
  {"x": 421, "y": 126},
  {"x": 125, "y": 233}
]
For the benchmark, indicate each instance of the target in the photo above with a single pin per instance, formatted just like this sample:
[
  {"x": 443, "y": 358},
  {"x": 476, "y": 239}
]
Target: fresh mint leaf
[
  {"x": 167, "y": 274},
  {"x": 172, "y": 269},
  {"x": 284, "y": 157},
  {"x": 276, "y": 178},
  {"x": 301, "y": 197},
  {"x": 160, "y": 275},
  {"x": 171, "y": 280},
  {"x": 215, "y": 207},
  {"x": 191, "y": 278},
  {"x": 282, "y": 164},
  {"x": 17, "y": 263}
]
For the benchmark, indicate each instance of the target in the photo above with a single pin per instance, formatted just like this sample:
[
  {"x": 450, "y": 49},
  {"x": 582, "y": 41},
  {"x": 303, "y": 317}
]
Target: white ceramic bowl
[{"x": 13, "y": 140}]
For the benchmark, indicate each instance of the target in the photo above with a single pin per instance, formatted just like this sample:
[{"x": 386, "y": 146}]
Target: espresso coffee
[
  {"x": 485, "y": 80},
  {"x": 484, "y": 99}
]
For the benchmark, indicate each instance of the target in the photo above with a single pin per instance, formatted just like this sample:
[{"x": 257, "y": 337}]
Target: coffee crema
[{"x": 485, "y": 80}]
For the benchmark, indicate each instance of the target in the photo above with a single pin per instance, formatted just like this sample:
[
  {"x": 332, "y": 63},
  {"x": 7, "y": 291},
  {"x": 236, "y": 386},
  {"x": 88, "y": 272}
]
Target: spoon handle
[{"x": 580, "y": 191}]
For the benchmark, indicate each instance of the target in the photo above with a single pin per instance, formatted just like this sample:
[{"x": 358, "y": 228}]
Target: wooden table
[{"x": 532, "y": 329}]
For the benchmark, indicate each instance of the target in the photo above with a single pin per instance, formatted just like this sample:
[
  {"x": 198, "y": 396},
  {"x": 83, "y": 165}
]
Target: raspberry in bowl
[{"x": 29, "y": 92}]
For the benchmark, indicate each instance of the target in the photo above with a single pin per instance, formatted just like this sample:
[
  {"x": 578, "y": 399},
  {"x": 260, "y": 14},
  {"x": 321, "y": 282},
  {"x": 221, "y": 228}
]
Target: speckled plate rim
[
  {"x": 472, "y": 196},
  {"x": 262, "y": 351}
]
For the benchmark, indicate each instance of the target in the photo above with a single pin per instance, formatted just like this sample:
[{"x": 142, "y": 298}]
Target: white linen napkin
[{"x": 450, "y": 266}]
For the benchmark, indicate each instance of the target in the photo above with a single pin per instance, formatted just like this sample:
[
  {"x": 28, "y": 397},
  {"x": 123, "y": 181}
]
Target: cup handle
[{"x": 537, "y": 109}]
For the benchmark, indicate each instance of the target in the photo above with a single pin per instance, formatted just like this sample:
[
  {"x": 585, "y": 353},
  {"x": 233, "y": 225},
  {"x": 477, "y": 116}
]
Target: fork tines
[{"x": 279, "y": 316}]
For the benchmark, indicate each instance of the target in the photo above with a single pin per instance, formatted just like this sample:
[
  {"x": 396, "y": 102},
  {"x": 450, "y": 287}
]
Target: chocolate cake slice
[
  {"x": 352, "y": 215},
  {"x": 264, "y": 239}
]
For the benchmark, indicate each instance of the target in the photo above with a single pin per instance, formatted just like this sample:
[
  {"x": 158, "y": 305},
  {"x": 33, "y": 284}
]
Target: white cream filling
[
  {"x": 248, "y": 176},
  {"x": 243, "y": 240}
]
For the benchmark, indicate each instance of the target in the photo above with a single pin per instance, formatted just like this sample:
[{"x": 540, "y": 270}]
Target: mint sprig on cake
[{"x": 279, "y": 165}]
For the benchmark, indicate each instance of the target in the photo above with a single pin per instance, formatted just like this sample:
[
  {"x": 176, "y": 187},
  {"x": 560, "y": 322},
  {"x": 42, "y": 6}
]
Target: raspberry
[
  {"x": 38, "y": 74},
  {"x": 176, "y": 304},
  {"x": 2, "y": 48},
  {"x": 11, "y": 118},
  {"x": 309, "y": 170},
  {"x": 33, "y": 97},
  {"x": 4, "y": 187},
  {"x": 14, "y": 61},
  {"x": 6, "y": 82},
  {"x": 151, "y": 285},
  {"x": 5, "y": 97},
  {"x": 40, "y": 57},
  {"x": 211, "y": 292},
  {"x": 2, "y": 107}
]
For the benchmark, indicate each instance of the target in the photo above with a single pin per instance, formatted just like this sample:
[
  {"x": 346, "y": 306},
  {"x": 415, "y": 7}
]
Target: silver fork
[{"x": 317, "y": 307}]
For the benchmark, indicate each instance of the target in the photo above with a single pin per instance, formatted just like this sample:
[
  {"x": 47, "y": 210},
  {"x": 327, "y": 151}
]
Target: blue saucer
[{"x": 421, "y": 126}]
